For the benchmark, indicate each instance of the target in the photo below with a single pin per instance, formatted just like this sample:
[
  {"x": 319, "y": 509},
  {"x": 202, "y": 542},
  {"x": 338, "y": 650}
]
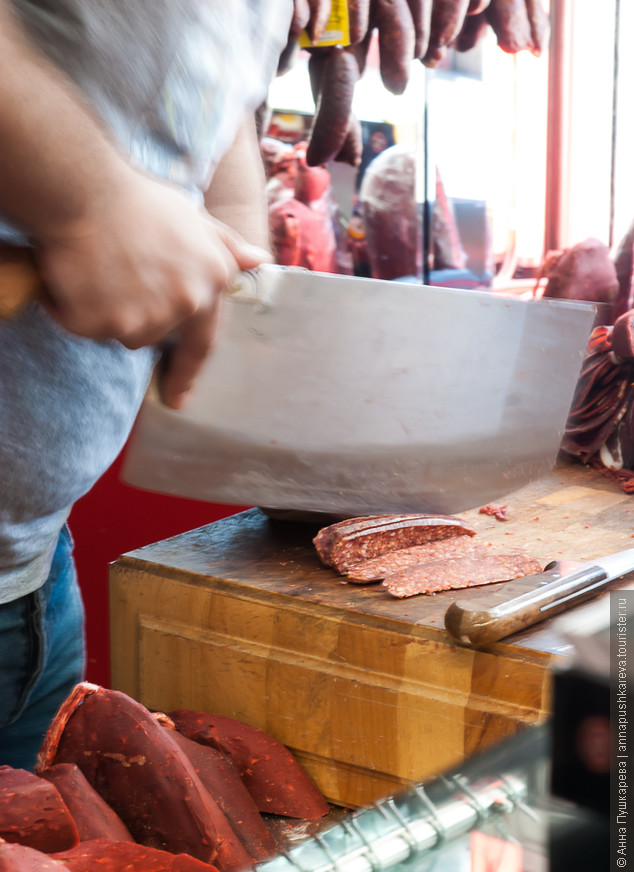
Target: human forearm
[
  {"x": 56, "y": 162},
  {"x": 122, "y": 254},
  {"x": 237, "y": 194}
]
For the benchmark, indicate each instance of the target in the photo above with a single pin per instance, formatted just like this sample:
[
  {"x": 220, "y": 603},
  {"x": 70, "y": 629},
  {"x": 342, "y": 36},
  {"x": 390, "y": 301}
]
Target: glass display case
[{"x": 516, "y": 154}]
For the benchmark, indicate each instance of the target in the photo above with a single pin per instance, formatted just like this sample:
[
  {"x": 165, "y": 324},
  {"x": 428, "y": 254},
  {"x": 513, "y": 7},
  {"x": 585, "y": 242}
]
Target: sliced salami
[
  {"x": 325, "y": 537},
  {"x": 379, "y": 567},
  {"x": 348, "y": 542},
  {"x": 350, "y": 548},
  {"x": 460, "y": 572}
]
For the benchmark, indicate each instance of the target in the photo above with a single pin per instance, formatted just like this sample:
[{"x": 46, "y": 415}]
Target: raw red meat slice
[
  {"x": 20, "y": 858},
  {"x": 220, "y": 776},
  {"x": 92, "y": 815},
  {"x": 33, "y": 813},
  {"x": 106, "y": 855},
  {"x": 141, "y": 772},
  {"x": 271, "y": 774}
]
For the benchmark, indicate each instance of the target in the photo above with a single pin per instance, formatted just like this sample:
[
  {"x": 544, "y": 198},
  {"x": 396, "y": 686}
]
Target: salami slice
[
  {"x": 325, "y": 537},
  {"x": 362, "y": 534},
  {"x": 460, "y": 572},
  {"x": 395, "y": 561},
  {"x": 354, "y": 547}
]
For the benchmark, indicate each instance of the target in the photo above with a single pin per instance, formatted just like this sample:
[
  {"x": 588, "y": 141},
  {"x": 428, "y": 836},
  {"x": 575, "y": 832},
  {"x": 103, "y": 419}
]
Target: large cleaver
[
  {"x": 518, "y": 604},
  {"x": 348, "y": 396}
]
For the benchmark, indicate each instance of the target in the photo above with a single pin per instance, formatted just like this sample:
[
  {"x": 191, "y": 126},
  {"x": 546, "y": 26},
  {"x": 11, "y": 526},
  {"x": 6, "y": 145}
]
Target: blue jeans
[{"x": 42, "y": 657}]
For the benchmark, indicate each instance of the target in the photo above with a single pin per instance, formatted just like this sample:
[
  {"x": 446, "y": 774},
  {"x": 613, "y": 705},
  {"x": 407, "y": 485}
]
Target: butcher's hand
[{"x": 149, "y": 264}]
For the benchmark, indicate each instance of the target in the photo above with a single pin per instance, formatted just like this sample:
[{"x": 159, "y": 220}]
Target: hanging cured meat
[
  {"x": 600, "y": 425},
  {"x": 405, "y": 30}
]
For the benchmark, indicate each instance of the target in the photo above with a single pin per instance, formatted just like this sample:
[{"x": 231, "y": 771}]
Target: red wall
[{"x": 114, "y": 518}]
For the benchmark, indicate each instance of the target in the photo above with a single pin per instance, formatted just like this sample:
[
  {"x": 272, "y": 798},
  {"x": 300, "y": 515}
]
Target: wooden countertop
[
  {"x": 575, "y": 513},
  {"x": 370, "y": 692}
]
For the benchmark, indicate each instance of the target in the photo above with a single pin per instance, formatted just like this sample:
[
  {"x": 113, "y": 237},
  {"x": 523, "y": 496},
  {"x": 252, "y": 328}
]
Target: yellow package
[{"x": 337, "y": 30}]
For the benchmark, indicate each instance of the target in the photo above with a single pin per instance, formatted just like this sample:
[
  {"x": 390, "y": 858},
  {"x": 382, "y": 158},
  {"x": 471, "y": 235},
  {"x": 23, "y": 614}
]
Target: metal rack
[{"x": 425, "y": 818}]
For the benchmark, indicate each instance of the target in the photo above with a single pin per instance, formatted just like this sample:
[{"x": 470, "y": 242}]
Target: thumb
[{"x": 246, "y": 255}]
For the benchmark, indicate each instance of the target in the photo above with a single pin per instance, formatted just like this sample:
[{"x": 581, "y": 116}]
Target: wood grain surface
[{"x": 371, "y": 693}]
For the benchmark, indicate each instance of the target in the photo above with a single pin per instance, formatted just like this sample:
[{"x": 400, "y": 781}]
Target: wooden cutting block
[{"x": 240, "y": 618}]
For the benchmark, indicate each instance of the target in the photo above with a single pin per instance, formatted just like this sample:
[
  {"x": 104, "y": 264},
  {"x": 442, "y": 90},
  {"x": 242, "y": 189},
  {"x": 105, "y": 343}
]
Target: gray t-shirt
[{"x": 172, "y": 79}]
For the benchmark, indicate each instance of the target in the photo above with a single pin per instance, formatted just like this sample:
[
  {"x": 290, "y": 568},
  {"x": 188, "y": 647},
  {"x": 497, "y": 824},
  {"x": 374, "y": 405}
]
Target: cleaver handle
[
  {"x": 20, "y": 281},
  {"x": 521, "y": 603}
]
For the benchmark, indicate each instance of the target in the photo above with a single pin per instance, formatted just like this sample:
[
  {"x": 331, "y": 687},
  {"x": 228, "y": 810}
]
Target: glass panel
[{"x": 452, "y": 181}]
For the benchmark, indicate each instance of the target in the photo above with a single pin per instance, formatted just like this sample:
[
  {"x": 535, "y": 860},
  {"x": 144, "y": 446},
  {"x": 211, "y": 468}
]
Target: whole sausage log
[
  {"x": 477, "y": 6},
  {"x": 446, "y": 23},
  {"x": 473, "y": 30},
  {"x": 339, "y": 75},
  {"x": 358, "y": 20},
  {"x": 319, "y": 16},
  {"x": 539, "y": 24},
  {"x": 509, "y": 20},
  {"x": 397, "y": 39},
  {"x": 351, "y": 151},
  {"x": 421, "y": 11},
  {"x": 300, "y": 18}
]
